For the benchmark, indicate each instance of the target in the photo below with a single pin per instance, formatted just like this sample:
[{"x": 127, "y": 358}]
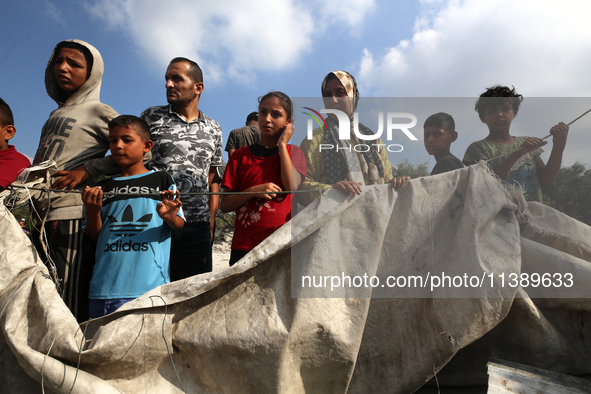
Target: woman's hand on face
[
  {"x": 285, "y": 135},
  {"x": 348, "y": 186},
  {"x": 399, "y": 182}
]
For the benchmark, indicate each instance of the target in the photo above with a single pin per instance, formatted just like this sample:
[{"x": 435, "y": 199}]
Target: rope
[
  {"x": 43, "y": 241},
  {"x": 165, "y": 342},
  {"x": 44, "y": 189}
]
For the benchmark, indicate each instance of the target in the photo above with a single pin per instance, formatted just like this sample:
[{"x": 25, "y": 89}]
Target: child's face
[
  {"x": 69, "y": 68},
  {"x": 272, "y": 117},
  {"x": 498, "y": 117},
  {"x": 6, "y": 133},
  {"x": 127, "y": 146},
  {"x": 437, "y": 140}
]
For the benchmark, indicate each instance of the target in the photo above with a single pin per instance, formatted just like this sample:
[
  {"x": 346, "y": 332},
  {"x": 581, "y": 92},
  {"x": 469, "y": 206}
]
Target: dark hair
[
  {"x": 6, "y": 118},
  {"x": 82, "y": 49},
  {"x": 496, "y": 96},
  {"x": 442, "y": 121},
  {"x": 253, "y": 116},
  {"x": 131, "y": 121},
  {"x": 284, "y": 100},
  {"x": 194, "y": 73}
]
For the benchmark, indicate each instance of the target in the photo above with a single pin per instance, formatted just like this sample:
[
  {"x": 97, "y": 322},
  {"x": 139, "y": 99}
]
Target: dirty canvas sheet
[{"x": 253, "y": 328}]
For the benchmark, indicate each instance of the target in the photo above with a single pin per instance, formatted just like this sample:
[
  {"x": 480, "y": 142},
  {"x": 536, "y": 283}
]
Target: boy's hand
[
  {"x": 399, "y": 182},
  {"x": 70, "y": 179},
  {"x": 169, "y": 207},
  {"x": 531, "y": 143},
  {"x": 559, "y": 133},
  {"x": 285, "y": 135},
  {"x": 265, "y": 187},
  {"x": 92, "y": 197}
]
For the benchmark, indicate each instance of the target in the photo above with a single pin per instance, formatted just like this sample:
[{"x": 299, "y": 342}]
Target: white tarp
[{"x": 240, "y": 329}]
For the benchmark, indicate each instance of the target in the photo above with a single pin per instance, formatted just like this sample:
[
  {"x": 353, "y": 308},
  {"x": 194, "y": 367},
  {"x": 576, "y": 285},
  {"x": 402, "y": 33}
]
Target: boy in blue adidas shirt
[{"x": 131, "y": 228}]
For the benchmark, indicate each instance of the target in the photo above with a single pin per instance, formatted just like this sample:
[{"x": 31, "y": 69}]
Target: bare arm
[
  {"x": 287, "y": 168},
  {"x": 93, "y": 200},
  {"x": 214, "y": 204},
  {"x": 547, "y": 174},
  {"x": 210, "y": 175},
  {"x": 528, "y": 145}
]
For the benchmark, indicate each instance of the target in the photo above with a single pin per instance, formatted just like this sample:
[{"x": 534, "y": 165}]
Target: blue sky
[{"x": 401, "y": 48}]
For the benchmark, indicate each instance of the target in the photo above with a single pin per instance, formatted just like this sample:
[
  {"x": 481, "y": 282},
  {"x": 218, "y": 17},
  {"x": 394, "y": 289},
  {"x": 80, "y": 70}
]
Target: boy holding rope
[
  {"x": 516, "y": 160},
  {"x": 131, "y": 227}
]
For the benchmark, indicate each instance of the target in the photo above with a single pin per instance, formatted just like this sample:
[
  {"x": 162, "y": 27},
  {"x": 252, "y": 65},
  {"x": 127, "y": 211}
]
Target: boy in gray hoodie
[{"x": 76, "y": 137}]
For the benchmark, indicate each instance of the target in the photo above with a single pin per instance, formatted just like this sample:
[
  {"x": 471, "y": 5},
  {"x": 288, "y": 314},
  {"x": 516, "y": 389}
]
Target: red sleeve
[
  {"x": 298, "y": 159},
  {"x": 231, "y": 180},
  {"x": 11, "y": 165}
]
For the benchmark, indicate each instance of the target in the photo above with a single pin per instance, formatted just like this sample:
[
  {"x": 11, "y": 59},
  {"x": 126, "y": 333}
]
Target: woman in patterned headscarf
[{"x": 343, "y": 168}]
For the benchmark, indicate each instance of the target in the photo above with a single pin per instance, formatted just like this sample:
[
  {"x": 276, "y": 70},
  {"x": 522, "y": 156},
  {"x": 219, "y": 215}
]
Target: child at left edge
[
  {"x": 132, "y": 232},
  {"x": 271, "y": 165},
  {"x": 11, "y": 162}
]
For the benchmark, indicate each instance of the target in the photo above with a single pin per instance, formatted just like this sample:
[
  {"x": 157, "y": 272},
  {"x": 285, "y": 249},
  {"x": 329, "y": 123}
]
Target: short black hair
[
  {"x": 253, "y": 116},
  {"x": 81, "y": 48},
  {"x": 195, "y": 72},
  {"x": 131, "y": 121},
  {"x": 6, "y": 118},
  {"x": 498, "y": 95},
  {"x": 284, "y": 100},
  {"x": 441, "y": 120}
]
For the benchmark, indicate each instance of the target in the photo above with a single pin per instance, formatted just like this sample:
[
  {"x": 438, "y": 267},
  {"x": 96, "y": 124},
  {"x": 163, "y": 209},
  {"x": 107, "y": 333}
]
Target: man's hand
[{"x": 70, "y": 179}]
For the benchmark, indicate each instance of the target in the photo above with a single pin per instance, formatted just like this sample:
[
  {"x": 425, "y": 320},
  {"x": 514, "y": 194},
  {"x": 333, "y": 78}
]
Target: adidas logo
[
  {"x": 127, "y": 227},
  {"x": 136, "y": 190}
]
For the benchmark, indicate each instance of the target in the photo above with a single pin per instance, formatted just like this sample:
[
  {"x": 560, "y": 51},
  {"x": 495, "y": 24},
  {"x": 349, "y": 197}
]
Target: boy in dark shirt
[{"x": 440, "y": 132}]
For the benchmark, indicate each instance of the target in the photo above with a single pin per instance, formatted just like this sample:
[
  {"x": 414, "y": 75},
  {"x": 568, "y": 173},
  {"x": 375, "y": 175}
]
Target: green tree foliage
[
  {"x": 412, "y": 170},
  {"x": 571, "y": 192}
]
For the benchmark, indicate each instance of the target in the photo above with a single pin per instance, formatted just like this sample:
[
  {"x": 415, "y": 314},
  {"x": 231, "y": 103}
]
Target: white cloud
[
  {"x": 231, "y": 38},
  {"x": 54, "y": 13},
  {"x": 460, "y": 47},
  {"x": 350, "y": 12}
]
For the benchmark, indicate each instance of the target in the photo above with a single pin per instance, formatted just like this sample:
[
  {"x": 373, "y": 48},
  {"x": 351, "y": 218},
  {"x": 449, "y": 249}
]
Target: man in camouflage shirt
[{"x": 188, "y": 145}]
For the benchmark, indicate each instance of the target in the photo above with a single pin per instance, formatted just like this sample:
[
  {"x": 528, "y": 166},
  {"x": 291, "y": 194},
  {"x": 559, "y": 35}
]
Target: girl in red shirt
[{"x": 269, "y": 166}]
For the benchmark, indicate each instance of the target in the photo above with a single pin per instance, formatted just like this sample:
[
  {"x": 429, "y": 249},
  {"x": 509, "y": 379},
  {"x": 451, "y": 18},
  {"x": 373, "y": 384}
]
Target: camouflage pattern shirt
[{"x": 185, "y": 150}]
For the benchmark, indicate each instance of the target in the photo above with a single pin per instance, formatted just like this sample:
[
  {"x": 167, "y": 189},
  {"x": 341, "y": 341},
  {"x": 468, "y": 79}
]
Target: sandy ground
[{"x": 221, "y": 251}]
